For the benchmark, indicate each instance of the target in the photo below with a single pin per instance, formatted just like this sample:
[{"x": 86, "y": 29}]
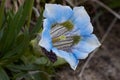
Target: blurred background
[{"x": 103, "y": 63}]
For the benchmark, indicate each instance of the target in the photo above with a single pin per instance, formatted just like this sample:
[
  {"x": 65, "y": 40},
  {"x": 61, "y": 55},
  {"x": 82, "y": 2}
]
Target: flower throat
[{"x": 61, "y": 38}]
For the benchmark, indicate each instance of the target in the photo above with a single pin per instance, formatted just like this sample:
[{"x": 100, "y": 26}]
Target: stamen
[
  {"x": 62, "y": 37},
  {"x": 67, "y": 43}
]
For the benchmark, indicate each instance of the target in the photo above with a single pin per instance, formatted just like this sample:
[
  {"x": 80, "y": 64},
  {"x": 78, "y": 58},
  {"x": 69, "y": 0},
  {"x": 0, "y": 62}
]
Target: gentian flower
[{"x": 67, "y": 34}]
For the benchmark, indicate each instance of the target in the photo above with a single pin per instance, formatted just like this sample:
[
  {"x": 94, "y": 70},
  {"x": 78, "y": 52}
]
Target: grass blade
[
  {"x": 38, "y": 26},
  {"x": 3, "y": 75},
  {"x": 16, "y": 24},
  {"x": 2, "y": 12}
]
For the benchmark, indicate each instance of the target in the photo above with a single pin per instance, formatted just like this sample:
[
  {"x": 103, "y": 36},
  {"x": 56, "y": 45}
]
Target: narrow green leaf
[
  {"x": 28, "y": 67},
  {"x": 19, "y": 75},
  {"x": 3, "y": 75},
  {"x": 16, "y": 24},
  {"x": 59, "y": 62},
  {"x": 39, "y": 75},
  {"x": 41, "y": 60},
  {"x": 38, "y": 26},
  {"x": 30, "y": 13},
  {"x": 114, "y": 4},
  {"x": 1, "y": 33},
  {"x": 2, "y": 12},
  {"x": 17, "y": 51},
  {"x": 27, "y": 9},
  {"x": 9, "y": 36}
]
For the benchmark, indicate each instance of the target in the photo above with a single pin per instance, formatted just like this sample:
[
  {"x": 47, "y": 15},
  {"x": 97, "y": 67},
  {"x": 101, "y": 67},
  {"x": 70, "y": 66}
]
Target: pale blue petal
[
  {"x": 82, "y": 31},
  {"x": 81, "y": 21},
  {"x": 69, "y": 57},
  {"x": 86, "y": 45},
  {"x": 46, "y": 40},
  {"x": 79, "y": 54},
  {"x": 57, "y": 13}
]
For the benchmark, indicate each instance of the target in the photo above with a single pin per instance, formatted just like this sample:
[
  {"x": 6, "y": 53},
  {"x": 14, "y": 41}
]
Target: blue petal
[
  {"x": 69, "y": 57},
  {"x": 85, "y": 46},
  {"x": 81, "y": 21},
  {"x": 82, "y": 31},
  {"x": 57, "y": 13},
  {"x": 79, "y": 54},
  {"x": 46, "y": 40}
]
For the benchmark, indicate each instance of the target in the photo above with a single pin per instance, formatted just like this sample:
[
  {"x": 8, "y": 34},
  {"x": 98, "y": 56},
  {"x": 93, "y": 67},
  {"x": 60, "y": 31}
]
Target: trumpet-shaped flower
[{"x": 67, "y": 33}]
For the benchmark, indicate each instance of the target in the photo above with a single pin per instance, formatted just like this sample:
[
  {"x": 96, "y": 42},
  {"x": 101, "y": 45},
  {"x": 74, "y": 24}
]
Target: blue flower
[{"x": 68, "y": 33}]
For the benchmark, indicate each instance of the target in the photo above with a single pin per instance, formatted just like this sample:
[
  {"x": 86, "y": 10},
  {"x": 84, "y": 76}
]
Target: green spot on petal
[
  {"x": 68, "y": 25},
  {"x": 76, "y": 39}
]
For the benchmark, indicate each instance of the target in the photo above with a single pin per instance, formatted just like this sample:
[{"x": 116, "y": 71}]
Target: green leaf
[
  {"x": 16, "y": 24},
  {"x": 114, "y": 3},
  {"x": 3, "y": 75},
  {"x": 17, "y": 51},
  {"x": 38, "y": 26},
  {"x": 2, "y": 12},
  {"x": 30, "y": 13},
  {"x": 1, "y": 33},
  {"x": 9, "y": 35},
  {"x": 1, "y": 36},
  {"x": 28, "y": 67},
  {"x": 19, "y": 76},
  {"x": 41, "y": 60},
  {"x": 39, "y": 76},
  {"x": 59, "y": 62},
  {"x": 32, "y": 75}
]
